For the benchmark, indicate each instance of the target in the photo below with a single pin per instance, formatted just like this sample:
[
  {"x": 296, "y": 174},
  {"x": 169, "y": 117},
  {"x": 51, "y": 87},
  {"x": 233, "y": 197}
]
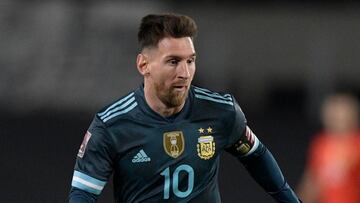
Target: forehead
[{"x": 176, "y": 46}]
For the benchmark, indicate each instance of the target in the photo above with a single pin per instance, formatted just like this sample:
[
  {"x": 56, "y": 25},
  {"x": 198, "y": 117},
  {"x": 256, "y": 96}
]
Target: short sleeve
[
  {"x": 94, "y": 160},
  {"x": 239, "y": 125}
]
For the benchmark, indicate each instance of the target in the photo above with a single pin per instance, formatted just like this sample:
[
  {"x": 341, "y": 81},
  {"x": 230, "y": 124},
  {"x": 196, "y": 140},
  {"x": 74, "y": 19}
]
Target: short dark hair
[{"x": 154, "y": 28}]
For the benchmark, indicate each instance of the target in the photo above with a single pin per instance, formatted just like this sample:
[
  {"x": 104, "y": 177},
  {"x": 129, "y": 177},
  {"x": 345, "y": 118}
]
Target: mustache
[{"x": 181, "y": 83}]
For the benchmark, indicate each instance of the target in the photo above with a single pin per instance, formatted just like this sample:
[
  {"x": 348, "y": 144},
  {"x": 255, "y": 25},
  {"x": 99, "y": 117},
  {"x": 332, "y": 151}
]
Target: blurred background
[{"x": 61, "y": 61}]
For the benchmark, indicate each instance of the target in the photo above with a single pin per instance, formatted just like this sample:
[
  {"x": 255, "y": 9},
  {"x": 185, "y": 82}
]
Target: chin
[{"x": 176, "y": 100}]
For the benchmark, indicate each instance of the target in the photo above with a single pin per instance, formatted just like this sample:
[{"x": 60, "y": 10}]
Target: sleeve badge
[{"x": 83, "y": 144}]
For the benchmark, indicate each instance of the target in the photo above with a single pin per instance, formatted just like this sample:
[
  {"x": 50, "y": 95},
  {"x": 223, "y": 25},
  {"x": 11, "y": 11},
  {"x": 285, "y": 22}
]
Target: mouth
[{"x": 180, "y": 87}]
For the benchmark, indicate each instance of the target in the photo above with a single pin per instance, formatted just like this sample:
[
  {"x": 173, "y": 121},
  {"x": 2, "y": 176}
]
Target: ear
[{"x": 142, "y": 64}]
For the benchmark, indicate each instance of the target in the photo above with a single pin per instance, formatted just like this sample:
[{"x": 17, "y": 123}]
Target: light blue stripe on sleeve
[
  {"x": 209, "y": 91},
  {"x": 85, "y": 188},
  {"x": 215, "y": 95},
  {"x": 118, "y": 108},
  {"x": 89, "y": 178},
  {"x": 87, "y": 183},
  {"x": 206, "y": 90},
  {"x": 117, "y": 103},
  {"x": 214, "y": 100},
  {"x": 121, "y": 112}
]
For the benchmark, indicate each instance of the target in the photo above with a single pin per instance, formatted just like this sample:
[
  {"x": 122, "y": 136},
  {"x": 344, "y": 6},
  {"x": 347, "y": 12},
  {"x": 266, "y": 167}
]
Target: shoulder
[
  {"x": 216, "y": 102},
  {"x": 120, "y": 107},
  {"x": 222, "y": 108},
  {"x": 216, "y": 105},
  {"x": 213, "y": 99}
]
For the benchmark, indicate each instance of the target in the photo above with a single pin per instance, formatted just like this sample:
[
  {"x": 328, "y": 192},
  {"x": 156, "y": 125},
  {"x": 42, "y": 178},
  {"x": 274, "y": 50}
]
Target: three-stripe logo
[
  {"x": 141, "y": 156},
  {"x": 122, "y": 106},
  {"x": 205, "y": 94}
]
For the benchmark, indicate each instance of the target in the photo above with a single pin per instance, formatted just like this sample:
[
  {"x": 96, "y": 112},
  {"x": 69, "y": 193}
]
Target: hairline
[{"x": 152, "y": 47}]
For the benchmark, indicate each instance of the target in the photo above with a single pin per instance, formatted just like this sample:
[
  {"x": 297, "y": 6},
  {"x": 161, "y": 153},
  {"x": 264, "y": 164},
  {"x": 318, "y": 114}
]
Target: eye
[
  {"x": 190, "y": 61},
  {"x": 173, "y": 62}
]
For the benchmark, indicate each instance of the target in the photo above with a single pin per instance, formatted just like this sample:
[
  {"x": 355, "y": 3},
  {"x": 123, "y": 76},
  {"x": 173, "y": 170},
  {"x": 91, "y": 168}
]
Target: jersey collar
[{"x": 183, "y": 114}]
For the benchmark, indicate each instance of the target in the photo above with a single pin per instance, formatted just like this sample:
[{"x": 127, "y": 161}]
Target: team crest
[
  {"x": 174, "y": 143},
  {"x": 206, "y": 147}
]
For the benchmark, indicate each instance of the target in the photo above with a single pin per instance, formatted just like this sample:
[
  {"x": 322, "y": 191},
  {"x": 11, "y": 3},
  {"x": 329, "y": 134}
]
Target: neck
[{"x": 158, "y": 106}]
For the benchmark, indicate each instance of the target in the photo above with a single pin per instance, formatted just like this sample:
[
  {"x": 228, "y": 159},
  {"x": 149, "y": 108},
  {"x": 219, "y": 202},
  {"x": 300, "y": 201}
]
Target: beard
[{"x": 170, "y": 96}]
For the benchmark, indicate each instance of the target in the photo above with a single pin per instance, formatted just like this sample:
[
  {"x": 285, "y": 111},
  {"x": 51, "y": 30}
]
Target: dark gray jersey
[{"x": 157, "y": 159}]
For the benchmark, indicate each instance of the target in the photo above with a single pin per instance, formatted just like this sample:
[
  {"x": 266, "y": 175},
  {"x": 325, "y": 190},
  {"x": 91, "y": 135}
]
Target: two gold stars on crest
[{"x": 202, "y": 130}]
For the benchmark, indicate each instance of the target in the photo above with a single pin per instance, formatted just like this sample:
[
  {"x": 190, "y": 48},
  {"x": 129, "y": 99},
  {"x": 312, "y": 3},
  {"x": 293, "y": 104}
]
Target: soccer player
[
  {"x": 163, "y": 141},
  {"x": 332, "y": 173}
]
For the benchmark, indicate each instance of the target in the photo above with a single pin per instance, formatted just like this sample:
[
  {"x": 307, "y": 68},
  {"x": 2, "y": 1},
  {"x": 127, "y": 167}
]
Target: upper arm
[
  {"x": 245, "y": 145},
  {"x": 94, "y": 161},
  {"x": 242, "y": 141}
]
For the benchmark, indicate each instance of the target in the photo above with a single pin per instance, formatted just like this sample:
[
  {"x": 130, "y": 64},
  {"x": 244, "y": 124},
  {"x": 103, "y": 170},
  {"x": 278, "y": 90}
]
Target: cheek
[
  {"x": 160, "y": 75},
  {"x": 192, "y": 71}
]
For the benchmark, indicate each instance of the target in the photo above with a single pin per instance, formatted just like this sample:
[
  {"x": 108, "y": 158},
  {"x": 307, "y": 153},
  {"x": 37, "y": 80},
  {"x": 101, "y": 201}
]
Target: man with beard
[{"x": 163, "y": 141}]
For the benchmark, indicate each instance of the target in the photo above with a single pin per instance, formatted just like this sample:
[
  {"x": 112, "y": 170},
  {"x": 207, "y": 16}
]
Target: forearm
[{"x": 264, "y": 169}]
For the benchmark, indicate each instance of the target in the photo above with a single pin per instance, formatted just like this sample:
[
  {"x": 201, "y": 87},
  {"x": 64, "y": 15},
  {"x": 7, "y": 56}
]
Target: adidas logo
[{"x": 141, "y": 157}]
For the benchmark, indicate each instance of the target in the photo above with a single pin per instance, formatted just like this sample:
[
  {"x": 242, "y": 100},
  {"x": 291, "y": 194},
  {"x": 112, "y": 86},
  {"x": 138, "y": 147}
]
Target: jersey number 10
[{"x": 175, "y": 181}]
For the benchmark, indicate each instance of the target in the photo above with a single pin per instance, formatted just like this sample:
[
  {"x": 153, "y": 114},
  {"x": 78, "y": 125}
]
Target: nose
[{"x": 183, "y": 70}]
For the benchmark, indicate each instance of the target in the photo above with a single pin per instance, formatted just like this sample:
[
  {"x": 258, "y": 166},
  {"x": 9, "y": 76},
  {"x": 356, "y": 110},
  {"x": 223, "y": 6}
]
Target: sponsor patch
[{"x": 83, "y": 144}]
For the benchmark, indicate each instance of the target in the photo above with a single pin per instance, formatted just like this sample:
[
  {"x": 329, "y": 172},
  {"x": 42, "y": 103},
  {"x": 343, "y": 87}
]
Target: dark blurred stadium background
[{"x": 63, "y": 60}]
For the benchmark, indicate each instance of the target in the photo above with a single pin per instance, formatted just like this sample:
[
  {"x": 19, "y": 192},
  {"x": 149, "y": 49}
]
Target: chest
[{"x": 150, "y": 149}]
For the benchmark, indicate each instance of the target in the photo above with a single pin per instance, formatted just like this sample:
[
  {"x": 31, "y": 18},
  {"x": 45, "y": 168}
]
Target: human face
[
  {"x": 339, "y": 114},
  {"x": 171, "y": 68}
]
